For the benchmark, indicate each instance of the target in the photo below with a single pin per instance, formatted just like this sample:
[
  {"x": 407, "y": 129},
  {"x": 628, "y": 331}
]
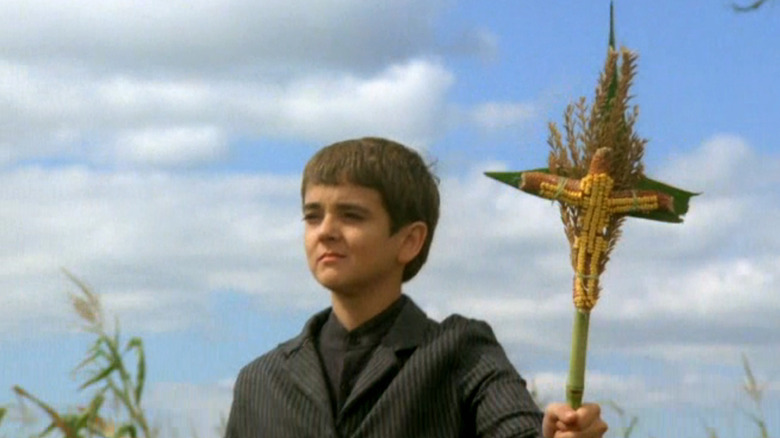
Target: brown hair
[{"x": 408, "y": 187}]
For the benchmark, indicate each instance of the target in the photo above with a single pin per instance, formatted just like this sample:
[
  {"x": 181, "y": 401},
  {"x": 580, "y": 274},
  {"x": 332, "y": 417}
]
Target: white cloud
[
  {"x": 180, "y": 121},
  {"x": 155, "y": 244},
  {"x": 174, "y": 83},
  {"x": 176, "y": 145},
  {"x": 405, "y": 102},
  {"x": 218, "y": 36},
  {"x": 189, "y": 409},
  {"x": 501, "y": 115},
  {"x": 632, "y": 390}
]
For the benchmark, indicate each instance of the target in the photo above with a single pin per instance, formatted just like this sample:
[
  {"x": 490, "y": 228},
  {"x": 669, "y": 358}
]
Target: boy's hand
[{"x": 561, "y": 421}]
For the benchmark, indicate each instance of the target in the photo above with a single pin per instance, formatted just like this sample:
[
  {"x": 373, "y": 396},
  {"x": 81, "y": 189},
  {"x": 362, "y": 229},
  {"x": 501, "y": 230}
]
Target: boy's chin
[
  {"x": 334, "y": 285},
  {"x": 343, "y": 289}
]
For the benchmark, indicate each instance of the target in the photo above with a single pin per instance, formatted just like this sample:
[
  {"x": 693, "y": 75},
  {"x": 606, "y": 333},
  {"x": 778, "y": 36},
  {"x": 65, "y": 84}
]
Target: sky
[{"x": 154, "y": 150}]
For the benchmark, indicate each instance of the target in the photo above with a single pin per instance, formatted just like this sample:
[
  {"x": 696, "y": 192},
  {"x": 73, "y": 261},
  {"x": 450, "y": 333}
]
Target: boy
[{"x": 373, "y": 365}]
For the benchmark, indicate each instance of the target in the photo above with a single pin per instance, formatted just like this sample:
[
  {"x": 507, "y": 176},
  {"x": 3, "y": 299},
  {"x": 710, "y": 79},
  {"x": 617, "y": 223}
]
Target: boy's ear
[{"x": 413, "y": 239}]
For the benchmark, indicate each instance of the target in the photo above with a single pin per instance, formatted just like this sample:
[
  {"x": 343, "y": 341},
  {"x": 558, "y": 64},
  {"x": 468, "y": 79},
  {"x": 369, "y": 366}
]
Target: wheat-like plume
[{"x": 608, "y": 122}]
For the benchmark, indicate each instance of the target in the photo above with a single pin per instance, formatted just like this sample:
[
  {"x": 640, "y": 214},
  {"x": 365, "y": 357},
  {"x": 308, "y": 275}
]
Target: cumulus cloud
[
  {"x": 218, "y": 36},
  {"x": 404, "y": 102},
  {"x": 156, "y": 244},
  {"x": 175, "y": 145},
  {"x": 178, "y": 84},
  {"x": 632, "y": 389},
  {"x": 171, "y": 122},
  {"x": 190, "y": 409},
  {"x": 501, "y": 115}
]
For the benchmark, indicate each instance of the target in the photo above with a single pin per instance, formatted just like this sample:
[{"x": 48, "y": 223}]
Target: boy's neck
[{"x": 352, "y": 310}]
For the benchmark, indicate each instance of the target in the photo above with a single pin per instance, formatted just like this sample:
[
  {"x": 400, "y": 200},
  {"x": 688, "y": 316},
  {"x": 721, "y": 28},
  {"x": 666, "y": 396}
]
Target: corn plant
[
  {"x": 626, "y": 426},
  {"x": 107, "y": 375},
  {"x": 755, "y": 391}
]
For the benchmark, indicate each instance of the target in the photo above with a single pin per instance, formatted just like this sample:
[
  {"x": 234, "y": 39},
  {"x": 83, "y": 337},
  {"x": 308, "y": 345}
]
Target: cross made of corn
[{"x": 594, "y": 195}]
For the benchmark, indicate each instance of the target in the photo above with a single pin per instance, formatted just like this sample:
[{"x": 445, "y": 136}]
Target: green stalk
[{"x": 575, "y": 387}]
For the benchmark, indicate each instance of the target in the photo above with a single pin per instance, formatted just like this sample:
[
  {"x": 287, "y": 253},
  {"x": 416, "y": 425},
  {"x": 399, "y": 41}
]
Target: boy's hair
[{"x": 406, "y": 184}]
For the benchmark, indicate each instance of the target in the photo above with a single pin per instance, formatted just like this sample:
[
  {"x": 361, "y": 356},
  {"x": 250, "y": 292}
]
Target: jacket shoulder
[
  {"x": 266, "y": 365},
  {"x": 460, "y": 326}
]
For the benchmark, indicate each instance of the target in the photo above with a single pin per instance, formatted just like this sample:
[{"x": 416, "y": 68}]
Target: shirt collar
[
  {"x": 407, "y": 331},
  {"x": 334, "y": 336}
]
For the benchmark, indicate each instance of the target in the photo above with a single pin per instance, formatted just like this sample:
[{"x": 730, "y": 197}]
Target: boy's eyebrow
[
  {"x": 341, "y": 206},
  {"x": 346, "y": 206}
]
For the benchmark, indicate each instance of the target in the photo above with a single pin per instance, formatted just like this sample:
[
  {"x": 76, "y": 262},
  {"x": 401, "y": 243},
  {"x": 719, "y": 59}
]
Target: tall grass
[
  {"x": 108, "y": 378},
  {"x": 755, "y": 391}
]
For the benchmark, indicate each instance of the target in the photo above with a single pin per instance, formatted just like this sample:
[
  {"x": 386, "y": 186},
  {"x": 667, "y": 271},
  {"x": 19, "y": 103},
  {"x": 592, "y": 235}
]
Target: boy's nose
[{"x": 328, "y": 228}]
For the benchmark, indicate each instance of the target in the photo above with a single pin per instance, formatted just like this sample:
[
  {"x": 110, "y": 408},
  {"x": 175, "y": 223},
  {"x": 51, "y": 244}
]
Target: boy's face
[{"x": 347, "y": 238}]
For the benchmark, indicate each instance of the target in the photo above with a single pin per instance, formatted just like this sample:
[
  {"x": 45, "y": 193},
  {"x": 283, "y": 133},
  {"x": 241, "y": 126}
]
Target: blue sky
[{"x": 154, "y": 151}]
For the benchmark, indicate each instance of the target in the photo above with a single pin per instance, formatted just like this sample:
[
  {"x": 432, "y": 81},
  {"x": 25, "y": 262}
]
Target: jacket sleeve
[
  {"x": 495, "y": 398},
  {"x": 236, "y": 427}
]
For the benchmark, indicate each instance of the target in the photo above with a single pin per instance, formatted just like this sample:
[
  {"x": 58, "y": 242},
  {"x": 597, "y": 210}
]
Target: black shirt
[{"x": 345, "y": 353}]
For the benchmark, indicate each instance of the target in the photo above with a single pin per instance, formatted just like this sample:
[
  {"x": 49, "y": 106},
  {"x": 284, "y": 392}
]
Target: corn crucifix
[
  {"x": 597, "y": 176},
  {"x": 593, "y": 194}
]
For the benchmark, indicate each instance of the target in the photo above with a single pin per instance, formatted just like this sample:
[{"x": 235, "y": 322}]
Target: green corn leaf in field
[
  {"x": 57, "y": 422},
  {"x": 753, "y": 389},
  {"x": 92, "y": 355},
  {"x": 630, "y": 429},
  {"x": 99, "y": 376},
  {"x": 761, "y": 425},
  {"x": 123, "y": 396},
  {"x": 137, "y": 344},
  {"x": 86, "y": 419},
  {"x": 126, "y": 430},
  {"x": 3, "y": 411},
  {"x": 48, "y": 430}
]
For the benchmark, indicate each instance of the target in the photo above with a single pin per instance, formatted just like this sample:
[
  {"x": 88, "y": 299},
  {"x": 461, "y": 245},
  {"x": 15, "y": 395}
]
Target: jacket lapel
[
  {"x": 407, "y": 332},
  {"x": 303, "y": 364}
]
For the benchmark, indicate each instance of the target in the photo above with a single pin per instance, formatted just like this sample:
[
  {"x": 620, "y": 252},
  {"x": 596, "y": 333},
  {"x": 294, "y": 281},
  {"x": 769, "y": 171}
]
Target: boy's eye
[
  {"x": 353, "y": 216},
  {"x": 310, "y": 217}
]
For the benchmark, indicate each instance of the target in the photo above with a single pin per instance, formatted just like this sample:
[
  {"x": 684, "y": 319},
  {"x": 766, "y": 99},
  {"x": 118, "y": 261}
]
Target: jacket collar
[{"x": 408, "y": 330}]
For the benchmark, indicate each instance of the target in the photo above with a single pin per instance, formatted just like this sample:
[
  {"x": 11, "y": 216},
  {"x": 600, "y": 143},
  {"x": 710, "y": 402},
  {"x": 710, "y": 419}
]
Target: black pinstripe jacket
[{"x": 425, "y": 379}]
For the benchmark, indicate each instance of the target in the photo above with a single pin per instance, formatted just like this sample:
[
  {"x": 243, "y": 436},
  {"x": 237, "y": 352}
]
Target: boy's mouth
[{"x": 330, "y": 256}]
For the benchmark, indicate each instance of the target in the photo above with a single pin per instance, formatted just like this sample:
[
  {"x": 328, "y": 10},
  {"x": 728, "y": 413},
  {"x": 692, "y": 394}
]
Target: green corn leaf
[
  {"x": 93, "y": 354},
  {"x": 122, "y": 395},
  {"x": 48, "y": 430},
  {"x": 99, "y": 376},
  {"x": 513, "y": 178},
  {"x": 126, "y": 430},
  {"x": 137, "y": 344},
  {"x": 632, "y": 425},
  {"x": 96, "y": 404},
  {"x": 681, "y": 200},
  {"x": 56, "y": 420}
]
